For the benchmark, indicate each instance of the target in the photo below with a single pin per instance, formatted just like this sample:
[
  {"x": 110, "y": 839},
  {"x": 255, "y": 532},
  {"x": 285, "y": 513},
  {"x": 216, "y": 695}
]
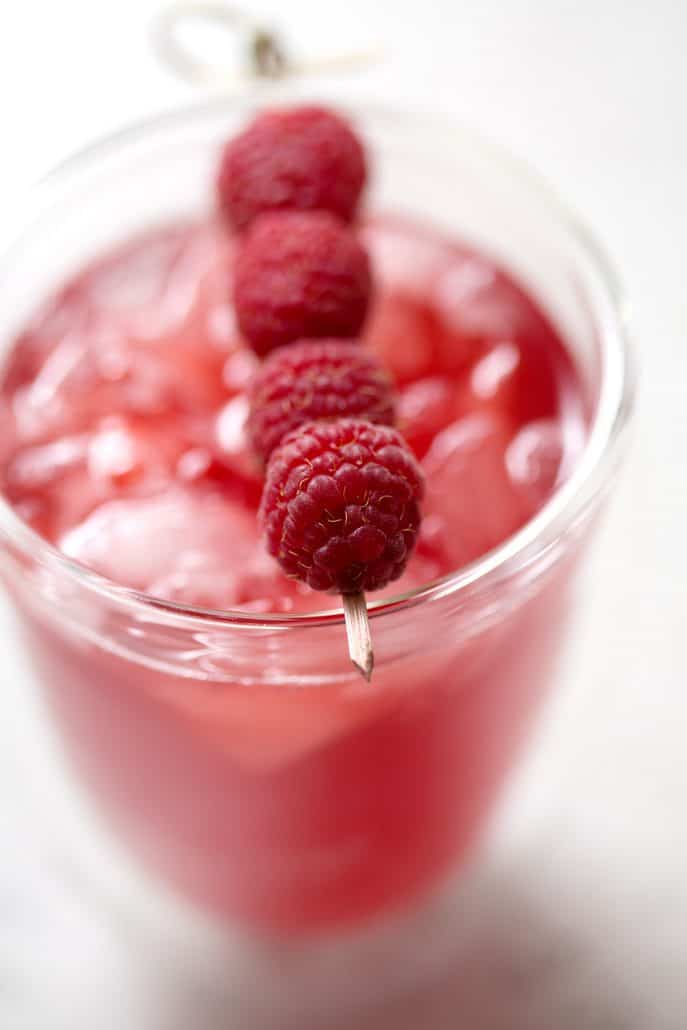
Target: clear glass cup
[{"x": 238, "y": 757}]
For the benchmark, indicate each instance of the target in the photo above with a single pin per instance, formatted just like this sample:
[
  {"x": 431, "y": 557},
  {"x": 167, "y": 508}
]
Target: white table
[{"x": 578, "y": 915}]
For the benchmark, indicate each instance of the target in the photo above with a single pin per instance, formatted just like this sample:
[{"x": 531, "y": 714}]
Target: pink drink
[{"x": 267, "y": 783}]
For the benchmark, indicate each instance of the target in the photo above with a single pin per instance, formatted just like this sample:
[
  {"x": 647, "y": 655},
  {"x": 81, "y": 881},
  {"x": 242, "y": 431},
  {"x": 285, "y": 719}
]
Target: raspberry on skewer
[
  {"x": 316, "y": 380},
  {"x": 300, "y": 275},
  {"x": 301, "y": 158},
  {"x": 340, "y": 510}
]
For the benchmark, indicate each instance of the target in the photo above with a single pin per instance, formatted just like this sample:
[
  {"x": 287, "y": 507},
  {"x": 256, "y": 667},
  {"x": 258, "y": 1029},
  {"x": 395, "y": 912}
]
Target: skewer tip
[{"x": 358, "y": 634}]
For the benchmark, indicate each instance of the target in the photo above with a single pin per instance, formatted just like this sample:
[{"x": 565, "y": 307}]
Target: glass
[{"x": 239, "y": 757}]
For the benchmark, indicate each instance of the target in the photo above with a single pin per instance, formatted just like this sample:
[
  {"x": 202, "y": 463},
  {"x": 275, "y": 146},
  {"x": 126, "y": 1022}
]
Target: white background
[{"x": 581, "y": 914}]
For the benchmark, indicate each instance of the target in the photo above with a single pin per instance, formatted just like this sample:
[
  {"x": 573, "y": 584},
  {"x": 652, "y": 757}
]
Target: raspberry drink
[
  {"x": 145, "y": 475},
  {"x": 234, "y": 749}
]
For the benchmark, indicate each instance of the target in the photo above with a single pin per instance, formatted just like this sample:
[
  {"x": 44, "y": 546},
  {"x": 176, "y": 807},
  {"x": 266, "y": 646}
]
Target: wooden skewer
[{"x": 358, "y": 633}]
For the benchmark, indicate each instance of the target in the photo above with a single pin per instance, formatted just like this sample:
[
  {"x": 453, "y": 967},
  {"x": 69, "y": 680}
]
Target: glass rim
[{"x": 567, "y": 503}]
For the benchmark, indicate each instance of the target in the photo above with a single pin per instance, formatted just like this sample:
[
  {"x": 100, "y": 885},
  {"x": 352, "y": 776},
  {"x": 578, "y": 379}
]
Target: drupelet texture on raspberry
[
  {"x": 316, "y": 380},
  {"x": 340, "y": 507},
  {"x": 300, "y": 275},
  {"x": 302, "y": 158}
]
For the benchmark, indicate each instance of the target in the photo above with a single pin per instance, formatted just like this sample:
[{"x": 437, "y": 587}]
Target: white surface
[{"x": 579, "y": 917}]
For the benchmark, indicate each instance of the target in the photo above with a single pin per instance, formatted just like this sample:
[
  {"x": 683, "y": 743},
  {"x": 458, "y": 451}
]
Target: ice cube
[
  {"x": 231, "y": 426},
  {"x": 476, "y": 301},
  {"x": 471, "y": 500},
  {"x": 82, "y": 380},
  {"x": 427, "y": 406},
  {"x": 135, "y": 277},
  {"x": 405, "y": 258},
  {"x": 35, "y": 468},
  {"x": 196, "y": 580},
  {"x": 191, "y": 546},
  {"x": 163, "y": 283},
  {"x": 49, "y": 484},
  {"x": 477, "y": 308},
  {"x": 147, "y": 329},
  {"x": 113, "y": 454},
  {"x": 517, "y": 380},
  {"x": 143, "y": 541},
  {"x": 235, "y": 464},
  {"x": 239, "y": 370},
  {"x": 136, "y": 454},
  {"x": 534, "y": 461},
  {"x": 7, "y": 431},
  {"x": 494, "y": 373},
  {"x": 402, "y": 332},
  {"x": 184, "y": 309},
  {"x": 67, "y": 315},
  {"x": 189, "y": 327}
]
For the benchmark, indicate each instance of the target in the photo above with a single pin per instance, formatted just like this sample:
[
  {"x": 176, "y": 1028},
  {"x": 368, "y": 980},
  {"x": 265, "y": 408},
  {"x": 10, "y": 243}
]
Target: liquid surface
[{"x": 123, "y": 406}]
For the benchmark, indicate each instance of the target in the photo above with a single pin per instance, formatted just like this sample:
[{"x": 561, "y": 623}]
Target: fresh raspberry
[
  {"x": 315, "y": 380},
  {"x": 340, "y": 505},
  {"x": 300, "y": 275},
  {"x": 305, "y": 158}
]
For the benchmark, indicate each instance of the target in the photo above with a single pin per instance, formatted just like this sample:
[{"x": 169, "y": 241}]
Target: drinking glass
[{"x": 238, "y": 757}]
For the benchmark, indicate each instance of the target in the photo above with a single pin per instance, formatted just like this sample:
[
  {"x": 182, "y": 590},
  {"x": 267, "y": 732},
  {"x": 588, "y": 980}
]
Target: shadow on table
[
  {"x": 526, "y": 958},
  {"x": 522, "y": 948}
]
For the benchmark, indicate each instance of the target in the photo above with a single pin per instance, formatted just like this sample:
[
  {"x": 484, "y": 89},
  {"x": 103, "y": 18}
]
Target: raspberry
[
  {"x": 305, "y": 158},
  {"x": 300, "y": 275},
  {"x": 314, "y": 380},
  {"x": 340, "y": 505}
]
